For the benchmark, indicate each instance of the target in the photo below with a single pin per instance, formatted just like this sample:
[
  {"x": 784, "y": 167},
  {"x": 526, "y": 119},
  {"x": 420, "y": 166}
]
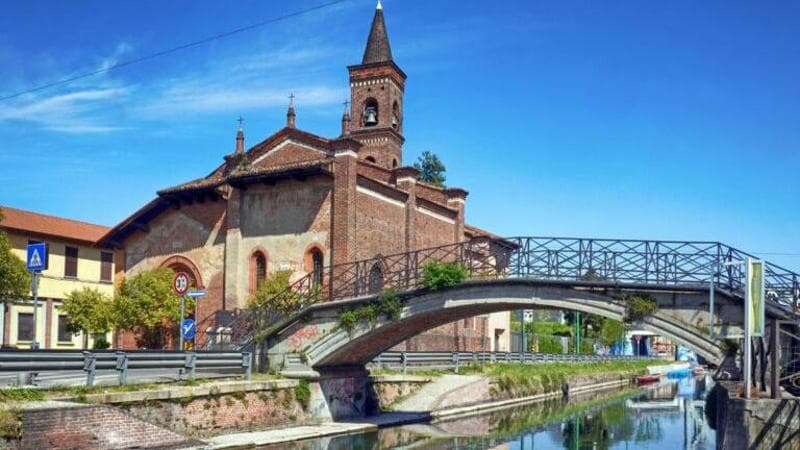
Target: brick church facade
[{"x": 300, "y": 202}]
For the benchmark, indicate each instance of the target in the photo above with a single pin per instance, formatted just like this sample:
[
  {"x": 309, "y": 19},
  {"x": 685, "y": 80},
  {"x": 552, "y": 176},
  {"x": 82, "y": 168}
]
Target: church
[{"x": 301, "y": 202}]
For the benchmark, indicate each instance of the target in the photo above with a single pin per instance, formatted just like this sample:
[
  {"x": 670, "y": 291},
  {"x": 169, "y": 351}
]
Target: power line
[{"x": 172, "y": 50}]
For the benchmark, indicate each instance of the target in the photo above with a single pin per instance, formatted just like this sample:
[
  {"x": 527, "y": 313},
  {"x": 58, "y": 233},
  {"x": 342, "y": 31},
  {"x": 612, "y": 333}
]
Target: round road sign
[{"x": 181, "y": 283}]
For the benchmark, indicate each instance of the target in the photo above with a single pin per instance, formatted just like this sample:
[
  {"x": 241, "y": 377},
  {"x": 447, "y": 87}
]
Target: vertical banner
[{"x": 754, "y": 297}]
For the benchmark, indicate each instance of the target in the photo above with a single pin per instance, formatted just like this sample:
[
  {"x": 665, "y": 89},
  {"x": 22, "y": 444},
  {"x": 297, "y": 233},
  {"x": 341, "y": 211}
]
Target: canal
[{"x": 667, "y": 416}]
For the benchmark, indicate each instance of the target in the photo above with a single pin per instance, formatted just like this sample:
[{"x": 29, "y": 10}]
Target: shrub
[
  {"x": 275, "y": 294},
  {"x": 639, "y": 307},
  {"x": 437, "y": 275},
  {"x": 348, "y": 320},
  {"x": 387, "y": 305},
  {"x": 100, "y": 343},
  {"x": 729, "y": 347},
  {"x": 302, "y": 393}
]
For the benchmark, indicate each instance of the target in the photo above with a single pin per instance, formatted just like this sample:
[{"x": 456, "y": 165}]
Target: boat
[{"x": 646, "y": 379}]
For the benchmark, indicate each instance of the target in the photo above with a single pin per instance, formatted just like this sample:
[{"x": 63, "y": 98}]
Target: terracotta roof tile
[{"x": 43, "y": 224}]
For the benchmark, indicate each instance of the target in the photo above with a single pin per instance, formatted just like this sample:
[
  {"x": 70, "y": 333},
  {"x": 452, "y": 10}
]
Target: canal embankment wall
[{"x": 762, "y": 423}]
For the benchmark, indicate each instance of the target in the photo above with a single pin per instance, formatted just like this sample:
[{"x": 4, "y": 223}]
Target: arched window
[
  {"x": 371, "y": 159},
  {"x": 396, "y": 115},
  {"x": 375, "y": 278},
  {"x": 370, "y": 116},
  {"x": 258, "y": 270},
  {"x": 394, "y": 163},
  {"x": 316, "y": 266}
]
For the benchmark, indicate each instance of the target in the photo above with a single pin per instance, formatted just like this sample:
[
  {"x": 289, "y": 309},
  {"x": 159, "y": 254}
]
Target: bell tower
[{"x": 376, "y": 92}]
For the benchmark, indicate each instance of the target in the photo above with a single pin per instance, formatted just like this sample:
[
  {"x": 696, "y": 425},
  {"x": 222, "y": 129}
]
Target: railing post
[
  {"x": 247, "y": 364},
  {"x": 122, "y": 367},
  {"x": 89, "y": 366},
  {"x": 455, "y": 361},
  {"x": 189, "y": 363},
  {"x": 775, "y": 359},
  {"x": 404, "y": 361}
]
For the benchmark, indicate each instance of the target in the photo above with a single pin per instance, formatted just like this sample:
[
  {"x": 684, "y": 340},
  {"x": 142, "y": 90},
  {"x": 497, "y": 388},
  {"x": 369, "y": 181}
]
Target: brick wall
[
  {"x": 95, "y": 427},
  {"x": 205, "y": 416},
  {"x": 380, "y": 225}
]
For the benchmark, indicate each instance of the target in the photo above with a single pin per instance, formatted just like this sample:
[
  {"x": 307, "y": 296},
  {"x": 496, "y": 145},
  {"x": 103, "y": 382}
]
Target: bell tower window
[
  {"x": 370, "y": 116},
  {"x": 396, "y": 116}
]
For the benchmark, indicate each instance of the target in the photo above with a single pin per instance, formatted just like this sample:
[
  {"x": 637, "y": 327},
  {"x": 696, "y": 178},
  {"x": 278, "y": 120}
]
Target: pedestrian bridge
[{"x": 698, "y": 287}]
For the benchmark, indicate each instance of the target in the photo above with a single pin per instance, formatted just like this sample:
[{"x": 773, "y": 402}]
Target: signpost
[
  {"x": 181, "y": 285},
  {"x": 36, "y": 262},
  {"x": 188, "y": 326},
  {"x": 753, "y": 316}
]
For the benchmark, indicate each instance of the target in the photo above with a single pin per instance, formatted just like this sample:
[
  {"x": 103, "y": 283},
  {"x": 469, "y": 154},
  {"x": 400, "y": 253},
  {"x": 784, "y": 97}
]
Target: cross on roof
[
  {"x": 291, "y": 99},
  {"x": 241, "y": 121}
]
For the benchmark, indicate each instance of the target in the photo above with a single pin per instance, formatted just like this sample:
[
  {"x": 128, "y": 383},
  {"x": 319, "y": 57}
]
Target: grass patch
[
  {"x": 10, "y": 424},
  {"x": 529, "y": 379},
  {"x": 21, "y": 395}
]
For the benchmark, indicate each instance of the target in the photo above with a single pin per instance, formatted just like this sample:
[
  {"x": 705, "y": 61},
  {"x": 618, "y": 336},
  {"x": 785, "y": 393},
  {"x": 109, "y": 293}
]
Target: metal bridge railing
[
  {"x": 659, "y": 263},
  {"x": 455, "y": 360},
  {"x": 27, "y": 364}
]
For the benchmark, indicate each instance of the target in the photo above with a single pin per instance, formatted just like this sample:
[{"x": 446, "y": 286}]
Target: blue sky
[{"x": 670, "y": 120}]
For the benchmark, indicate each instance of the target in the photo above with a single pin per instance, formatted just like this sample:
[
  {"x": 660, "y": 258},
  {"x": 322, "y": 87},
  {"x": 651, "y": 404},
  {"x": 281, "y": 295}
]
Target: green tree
[
  {"x": 611, "y": 332},
  {"x": 15, "y": 281},
  {"x": 90, "y": 312},
  {"x": 146, "y": 303},
  {"x": 274, "y": 294},
  {"x": 431, "y": 169}
]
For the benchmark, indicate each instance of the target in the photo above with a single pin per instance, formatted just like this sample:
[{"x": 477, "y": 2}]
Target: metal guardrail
[
  {"x": 453, "y": 360},
  {"x": 26, "y": 363}
]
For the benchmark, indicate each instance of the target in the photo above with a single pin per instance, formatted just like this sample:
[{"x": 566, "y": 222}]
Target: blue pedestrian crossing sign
[
  {"x": 37, "y": 257},
  {"x": 188, "y": 329}
]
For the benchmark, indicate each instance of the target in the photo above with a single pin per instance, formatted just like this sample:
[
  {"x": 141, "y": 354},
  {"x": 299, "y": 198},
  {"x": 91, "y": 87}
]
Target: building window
[
  {"x": 396, "y": 116},
  {"x": 25, "y": 330},
  {"x": 371, "y": 159},
  {"x": 106, "y": 264},
  {"x": 394, "y": 163},
  {"x": 375, "y": 278},
  {"x": 71, "y": 262},
  {"x": 64, "y": 333},
  {"x": 258, "y": 267},
  {"x": 370, "y": 116},
  {"x": 316, "y": 267}
]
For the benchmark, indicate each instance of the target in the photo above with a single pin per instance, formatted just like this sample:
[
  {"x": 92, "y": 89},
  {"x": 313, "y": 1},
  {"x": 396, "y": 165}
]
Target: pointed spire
[
  {"x": 240, "y": 137},
  {"x": 378, "y": 49},
  {"x": 291, "y": 117},
  {"x": 346, "y": 118}
]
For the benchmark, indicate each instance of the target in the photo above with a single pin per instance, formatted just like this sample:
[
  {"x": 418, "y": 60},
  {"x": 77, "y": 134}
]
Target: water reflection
[{"x": 669, "y": 415}]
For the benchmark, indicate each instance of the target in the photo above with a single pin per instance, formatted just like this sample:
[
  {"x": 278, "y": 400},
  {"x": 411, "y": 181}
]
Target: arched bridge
[{"x": 698, "y": 287}]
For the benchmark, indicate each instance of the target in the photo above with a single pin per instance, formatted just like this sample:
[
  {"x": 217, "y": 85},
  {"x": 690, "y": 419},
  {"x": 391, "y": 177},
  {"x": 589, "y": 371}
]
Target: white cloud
[{"x": 74, "y": 112}]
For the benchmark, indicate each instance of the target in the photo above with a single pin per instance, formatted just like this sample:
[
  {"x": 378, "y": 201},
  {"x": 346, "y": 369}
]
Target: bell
[{"x": 371, "y": 119}]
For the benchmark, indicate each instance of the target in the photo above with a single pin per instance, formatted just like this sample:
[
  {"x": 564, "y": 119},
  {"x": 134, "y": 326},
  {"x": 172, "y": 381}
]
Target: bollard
[
  {"x": 89, "y": 366},
  {"x": 190, "y": 363},
  {"x": 247, "y": 364},
  {"x": 403, "y": 361},
  {"x": 122, "y": 367},
  {"x": 455, "y": 361}
]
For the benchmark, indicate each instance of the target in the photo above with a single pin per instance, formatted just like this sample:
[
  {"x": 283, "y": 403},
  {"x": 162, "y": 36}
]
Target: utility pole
[{"x": 577, "y": 332}]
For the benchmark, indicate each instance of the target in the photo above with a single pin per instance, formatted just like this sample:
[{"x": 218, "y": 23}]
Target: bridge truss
[{"x": 643, "y": 262}]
